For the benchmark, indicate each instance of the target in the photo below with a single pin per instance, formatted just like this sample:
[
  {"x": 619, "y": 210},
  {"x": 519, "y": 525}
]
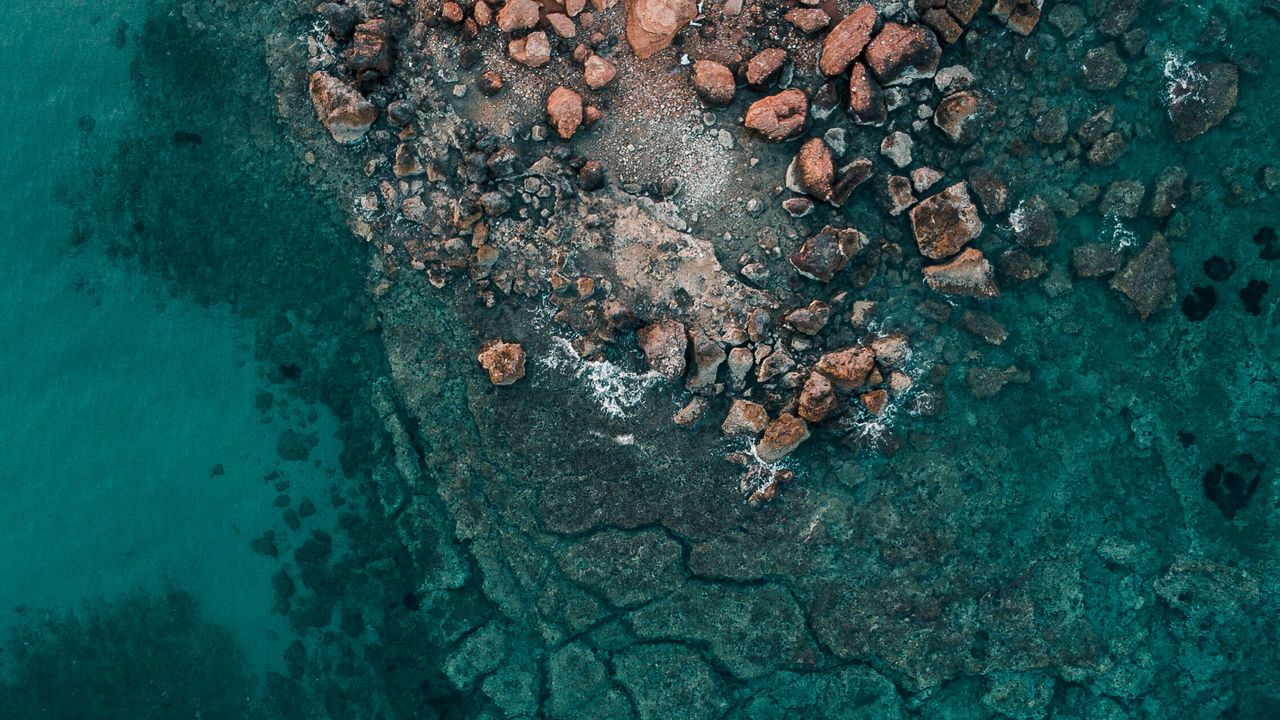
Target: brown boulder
[
  {"x": 847, "y": 39},
  {"x": 782, "y": 436},
  {"x": 598, "y": 72},
  {"x": 1020, "y": 16},
  {"x": 944, "y": 222},
  {"x": 503, "y": 361},
  {"x": 763, "y": 67},
  {"x": 828, "y": 252},
  {"x": 341, "y": 109},
  {"x": 815, "y": 169},
  {"x": 713, "y": 82},
  {"x": 1147, "y": 280},
  {"x": 809, "y": 319},
  {"x": 817, "y": 399},
  {"x": 866, "y": 98},
  {"x": 780, "y": 116},
  {"x": 847, "y": 368},
  {"x": 969, "y": 274},
  {"x": 564, "y": 111},
  {"x": 745, "y": 418},
  {"x": 902, "y": 54},
  {"x": 664, "y": 344},
  {"x": 653, "y": 24},
  {"x": 1200, "y": 97}
]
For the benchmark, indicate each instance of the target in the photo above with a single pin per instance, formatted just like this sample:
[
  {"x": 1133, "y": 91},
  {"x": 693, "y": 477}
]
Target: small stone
[
  {"x": 340, "y": 108},
  {"x": 985, "y": 382},
  {"x": 850, "y": 177},
  {"x": 1021, "y": 16},
  {"x": 944, "y": 222},
  {"x": 991, "y": 191},
  {"x": 591, "y": 175},
  {"x": 1107, "y": 150},
  {"x": 764, "y": 66},
  {"x": 503, "y": 361},
  {"x": 489, "y": 82},
  {"x": 1167, "y": 192},
  {"x": 897, "y": 147},
  {"x": 1148, "y": 279},
  {"x": 924, "y": 178},
  {"x": 847, "y": 39},
  {"x": 532, "y": 50},
  {"x": 1103, "y": 69},
  {"x": 875, "y": 401},
  {"x": 664, "y": 344},
  {"x": 866, "y": 98},
  {"x": 809, "y": 319},
  {"x": 708, "y": 355},
  {"x": 828, "y": 252},
  {"x": 598, "y": 72},
  {"x": 740, "y": 362},
  {"x": 892, "y": 350},
  {"x": 745, "y": 418},
  {"x": 1122, "y": 199},
  {"x": 713, "y": 82},
  {"x": 969, "y": 274},
  {"x": 1051, "y": 127},
  {"x": 564, "y": 111},
  {"x": 780, "y": 116},
  {"x": 562, "y": 25},
  {"x": 518, "y": 15},
  {"x": 370, "y": 50},
  {"x": 983, "y": 326},
  {"x": 817, "y": 399},
  {"x": 898, "y": 194},
  {"x": 808, "y": 20},
  {"x": 961, "y": 116},
  {"x": 690, "y": 413},
  {"x": 781, "y": 437},
  {"x": 902, "y": 54}
]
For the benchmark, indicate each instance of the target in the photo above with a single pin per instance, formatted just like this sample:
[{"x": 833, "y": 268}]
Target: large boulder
[
  {"x": 1200, "y": 96},
  {"x": 902, "y": 54},
  {"x": 343, "y": 111},
  {"x": 943, "y": 223},
  {"x": 653, "y": 24},
  {"x": 782, "y": 436},
  {"x": 848, "y": 368}
]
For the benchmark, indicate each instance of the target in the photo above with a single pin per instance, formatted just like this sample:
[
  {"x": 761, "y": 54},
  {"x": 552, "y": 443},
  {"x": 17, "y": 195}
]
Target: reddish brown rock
[
  {"x": 847, "y": 368},
  {"x": 763, "y": 67},
  {"x": 598, "y": 72},
  {"x": 943, "y": 223},
  {"x": 564, "y": 111},
  {"x": 817, "y": 399},
  {"x": 969, "y": 274},
  {"x": 1020, "y": 15},
  {"x": 850, "y": 177},
  {"x": 532, "y": 50},
  {"x": 653, "y": 24},
  {"x": 902, "y": 54},
  {"x": 691, "y": 413},
  {"x": 369, "y": 49},
  {"x": 518, "y": 15},
  {"x": 780, "y": 116},
  {"x": 961, "y": 116},
  {"x": 828, "y": 252},
  {"x": 875, "y": 401},
  {"x": 892, "y": 350},
  {"x": 340, "y": 108},
  {"x": 713, "y": 82},
  {"x": 1200, "y": 97},
  {"x": 562, "y": 25},
  {"x": 808, "y": 20},
  {"x": 815, "y": 169},
  {"x": 866, "y": 98},
  {"x": 664, "y": 344},
  {"x": 781, "y": 437},
  {"x": 503, "y": 361},
  {"x": 708, "y": 355},
  {"x": 452, "y": 12},
  {"x": 489, "y": 82},
  {"x": 809, "y": 319},
  {"x": 745, "y": 418},
  {"x": 847, "y": 39},
  {"x": 1147, "y": 280}
]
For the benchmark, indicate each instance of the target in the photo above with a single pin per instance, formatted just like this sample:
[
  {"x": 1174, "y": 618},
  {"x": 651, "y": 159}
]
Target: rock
[
  {"x": 1119, "y": 15},
  {"x": 892, "y": 350},
  {"x": 1091, "y": 260},
  {"x": 1200, "y": 96},
  {"x": 1123, "y": 199},
  {"x": 1107, "y": 150},
  {"x": 1021, "y": 265},
  {"x": 1021, "y": 16},
  {"x": 532, "y": 50},
  {"x": 781, "y": 437},
  {"x": 740, "y": 362},
  {"x": 598, "y": 72},
  {"x": 664, "y": 344},
  {"x": 341, "y": 109},
  {"x": 875, "y": 401},
  {"x": 1097, "y": 125},
  {"x": 961, "y": 116},
  {"x": 691, "y": 413},
  {"x": 1148, "y": 280},
  {"x": 991, "y": 191},
  {"x": 778, "y": 363},
  {"x": 713, "y": 82},
  {"x": 564, "y": 111},
  {"x": 982, "y": 325},
  {"x": 778, "y": 117},
  {"x": 850, "y": 177},
  {"x": 866, "y": 98},
  {"x": 562, "y": 25},
  {"x": 985, "y": 382},
  {"x": 1103, "y": 69},
  {"x": 653, "y": 24},
  {"x": 369, "y": 51},
  {"x": 896, "y": 148},
  {"x": 503, "y": 361},
  {"x": 969, "y": 274},
  {"x": 847, "y": 39},
  {"x": 1068, "y": 19},
  {"x": 817, "y": 399},
  {"x": 847, "y": 368},
  {"x": 489, "y": 82},
  {"x": 591, "y": 176},
  {"x": 902, "y": 54},
  {"x": 809, "y": 319},
  {"x": 745, "y": 418},
  {"x": 407, "y": 163},
  {"x": 924, "y": 178},
  {"x": 1051, "y": 127},
  {"x": 942, "y": 23},
  {"x": 518, "y": 15},
  {"x": 944, "y": 222},
  {"x": 764, "y": 66},
  {"x": 898, "y": 195},
  {"x": 1167, "y": 192},
  {"x": 708, "y": 355},
  {"x": 828, "y": 252},
  {"x": 808, "y": 20},
  {"x": 953, "y": 78},
  {"x": 815, "y": 169},
  {"x": 1033, "y": 223}
]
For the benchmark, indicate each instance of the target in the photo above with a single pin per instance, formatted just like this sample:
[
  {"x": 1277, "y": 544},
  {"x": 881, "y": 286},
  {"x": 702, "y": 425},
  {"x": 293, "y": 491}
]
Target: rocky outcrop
[{"x": 781, "y": 437}]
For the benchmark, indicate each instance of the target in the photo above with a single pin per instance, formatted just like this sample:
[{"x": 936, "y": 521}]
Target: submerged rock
[
  {"x": 1148, "y": 278},
  {"x": 961, "y": 116},
  {"x": 1200, "y": 97}
]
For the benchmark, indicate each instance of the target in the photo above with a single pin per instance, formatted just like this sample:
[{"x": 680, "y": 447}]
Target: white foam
[{"x": 614, "y": 388}]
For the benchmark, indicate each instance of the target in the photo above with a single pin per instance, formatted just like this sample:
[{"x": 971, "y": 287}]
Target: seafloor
[{"x": 1071, "y": 515}]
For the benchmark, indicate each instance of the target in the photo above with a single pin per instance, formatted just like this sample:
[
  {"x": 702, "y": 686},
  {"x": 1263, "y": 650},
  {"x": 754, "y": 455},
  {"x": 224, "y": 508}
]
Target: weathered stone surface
[
  {"x": 764, "y": 66},
  {"x": 1033, "y": 223},
  {"x": 902, "y": 54},
  {"x": 1201, "y": 96},
  {"x": 745, "y": 418},
  {"x": 341, "y": 109},
  {"x": 1020, "y": 15},
  {"x": 370, "y": 50},
  {"x": 708, "y": 355},
  {"x": 985, "y": 382},
  {"x": 809, "y": 319},
  {"x": 1167, "y": 192},
  {"x": 1093, "y": 259},
  {"x": 847, "y": 39},
  {"x": 517, "y": 15},
  {"x": 828, "y": 252},
  {"x": 992, "y": 192},
  {"x": 897, "y": 147},
  {"x": 670, "y": 682},
  {"x": 713, "y": 82},
  {"x": 961, "y": 116},
  {"x": 968, "y": 274},
  {"x": 578, "y": 687},
  {"x": 1102, "y": 68},
  {"x": 691, "y": 413},
  {"x": 817, "y": 398},
  {"x": 1148, "y": 279},
  {"x": 892, "y": 350},
  {"x": 598, "y": 72},
  {"x": 782, "y": 436},
  {"x": 866, "y": 98},
  {"x": 664, "y": 344},
  {"x": 653, "y": 24},
  {"x": 532, "y": 50},
  {"x": 564, "y": 111},
  {"x": 944, "y": 222},
  {"x": 808, "y": 20},
  {"x": 780, "y": 116},
  {"x": 848, "y": 368},
  {"x": 815, "y": 169},
  {"x": 503, "y": 361},
  {"x": 628, "y": 568},
  {"x": 826, "y": 695},
  {"x": 752, "y": 631}
]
